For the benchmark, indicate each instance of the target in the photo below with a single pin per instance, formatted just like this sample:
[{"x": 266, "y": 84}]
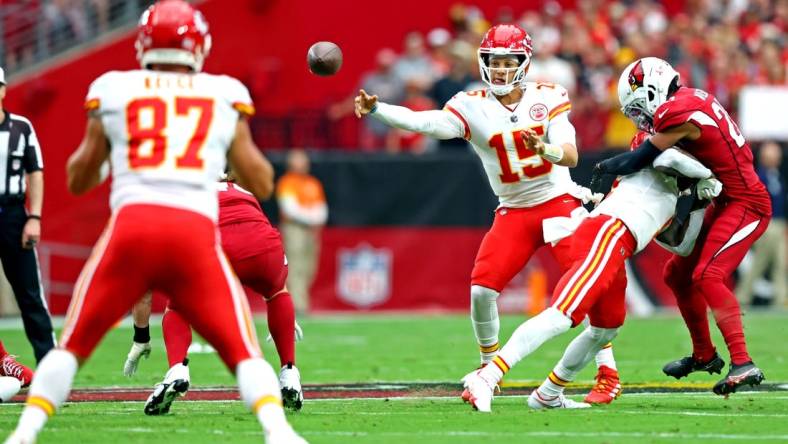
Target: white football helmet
[{"x": 643, "y": 87}]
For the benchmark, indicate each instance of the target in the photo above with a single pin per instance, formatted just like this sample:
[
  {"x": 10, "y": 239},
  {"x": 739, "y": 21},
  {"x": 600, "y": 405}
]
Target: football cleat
[
  {"x": 175, "y": 384},
  {"x": 607, "y": 387},
  {"x": 290, "y": 383},
  {"x": 9, "y": 366},
  {"x": 739, "y": 375},
  {"x": 283, "y": 435},
  {"x": 137, "y": 352},
  {"x": 479, "y": 391},
  {"x": 538, "y": 401},
  {"x": 688, "y": 364}
]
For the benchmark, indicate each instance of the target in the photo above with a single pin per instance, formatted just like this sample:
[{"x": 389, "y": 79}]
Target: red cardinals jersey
[
  {"x": 721, "y": 146},
  {"x": 237, "y": 205},
  {"x": 245, "y": 229}
]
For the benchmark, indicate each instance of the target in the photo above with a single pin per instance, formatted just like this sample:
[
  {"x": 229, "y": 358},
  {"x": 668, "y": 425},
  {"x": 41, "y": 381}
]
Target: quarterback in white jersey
[
  {"x": 640, "y": 206},
  {"x": 522, "y": 134},
  {"x": 166, "y": 130}
]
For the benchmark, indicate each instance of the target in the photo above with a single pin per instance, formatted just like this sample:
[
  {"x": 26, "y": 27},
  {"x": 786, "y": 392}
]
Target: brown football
[{"x": 324, "y": 58}]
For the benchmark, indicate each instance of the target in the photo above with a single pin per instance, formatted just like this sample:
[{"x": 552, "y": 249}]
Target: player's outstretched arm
[
  {"x": 83, "y": 169},
  {"x": 254, "y": 171},
  {"x": 437, "y": 124}
]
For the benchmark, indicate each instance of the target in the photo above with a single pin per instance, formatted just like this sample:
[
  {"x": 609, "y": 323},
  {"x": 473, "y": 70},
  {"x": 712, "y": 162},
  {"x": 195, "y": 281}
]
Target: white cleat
[
  {"x": 137, "y": 352},
  {"x": 479, "y": 391},
  {"x": 290, "y": 383},
  {"x": 538, "y": 401},
  {"x": 284, "y": 435},
  {"x": 175, "y": 384},
  {"x": 20, "y": 438}
]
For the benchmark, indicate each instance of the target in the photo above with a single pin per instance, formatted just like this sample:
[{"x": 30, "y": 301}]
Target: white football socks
[
  {"x": 577, "y": 355},
  {"x": 605, "y": 357},
  {"x": 49, "y": 390},
  {"x": 528, "y": 337},
  {"x": 484, "y": 317},
  {"x": 260, "y": 392}
]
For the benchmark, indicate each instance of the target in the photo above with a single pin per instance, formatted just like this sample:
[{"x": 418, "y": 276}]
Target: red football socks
[
  {"x": 177, "y": 336},
  {"x": 281, "y": 324},
  {"x": 692, "y": 305}
]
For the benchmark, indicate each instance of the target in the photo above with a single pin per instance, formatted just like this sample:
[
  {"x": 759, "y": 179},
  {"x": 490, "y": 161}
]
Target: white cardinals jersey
[
  {"x": 645, "y": 201},
  {"x": 518, "y": 176},
  {"x": 169, "y": 134}
]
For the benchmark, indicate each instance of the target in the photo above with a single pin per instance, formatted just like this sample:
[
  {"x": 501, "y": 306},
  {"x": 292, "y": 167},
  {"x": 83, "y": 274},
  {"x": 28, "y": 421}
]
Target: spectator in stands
[
  {"x": 19, "y": 20},
  {"x": 462, "y": 61},
  {"x": 414, "y": 62},
  {"x": 770, "y": 249},
  {"x": 439, "y": 40},
  {"x": 388, "y": 86},
  {"x": 400, "y": 140},
  {"x": 303, "y": 212}
]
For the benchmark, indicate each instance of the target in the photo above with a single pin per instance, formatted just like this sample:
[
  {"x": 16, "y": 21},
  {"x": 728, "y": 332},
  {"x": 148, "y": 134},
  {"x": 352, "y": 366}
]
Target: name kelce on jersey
[
  {"x": 517, "y": 175},
  {"x": 169, "y": 133}
]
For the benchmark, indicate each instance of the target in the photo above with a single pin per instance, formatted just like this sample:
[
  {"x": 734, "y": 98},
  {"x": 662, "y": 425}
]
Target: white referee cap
[{"x": 2, "y": 76}]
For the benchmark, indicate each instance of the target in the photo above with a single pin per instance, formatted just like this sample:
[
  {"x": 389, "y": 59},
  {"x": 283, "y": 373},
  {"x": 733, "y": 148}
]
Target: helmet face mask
[
  {"x": 643, "y": 87},
  {"x": 504, "y": 41},
  {"x": 172, "y": 32}
]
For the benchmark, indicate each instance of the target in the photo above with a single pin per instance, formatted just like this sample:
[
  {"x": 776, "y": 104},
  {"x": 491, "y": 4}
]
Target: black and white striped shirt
[{"x": 20, "y": 153}]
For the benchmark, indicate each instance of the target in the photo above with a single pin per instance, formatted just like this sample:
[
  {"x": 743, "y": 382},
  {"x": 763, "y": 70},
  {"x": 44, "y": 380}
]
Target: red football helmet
[
  {"x": 503, "y": 41},
  {"x": 172, "y": 32}
]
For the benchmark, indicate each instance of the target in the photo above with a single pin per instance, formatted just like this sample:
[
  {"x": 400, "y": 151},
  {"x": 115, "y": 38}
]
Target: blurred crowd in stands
[
  {"x": 35, "y": 29},
  {"x": 716, "y": 45}
]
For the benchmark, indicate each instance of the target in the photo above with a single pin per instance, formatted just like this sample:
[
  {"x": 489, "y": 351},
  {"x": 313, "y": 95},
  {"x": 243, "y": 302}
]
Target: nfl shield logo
[{"x": 364, "y": 275}]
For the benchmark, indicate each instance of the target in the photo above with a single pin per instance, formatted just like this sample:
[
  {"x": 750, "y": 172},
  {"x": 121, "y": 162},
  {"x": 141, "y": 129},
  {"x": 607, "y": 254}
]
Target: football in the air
[
  {"x": 324, "y": 58},
  {"x": 8, "y": 388}
]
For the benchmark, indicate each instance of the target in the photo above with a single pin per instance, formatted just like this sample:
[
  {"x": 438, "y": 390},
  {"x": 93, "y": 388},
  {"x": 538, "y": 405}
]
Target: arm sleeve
[
  {"x": 561, "y": 130},
  {"x": 674, "y": 162},
  {"x": 632, "y": 161},
  {"x": 32, "y": 160},
  {"x": 96, "y": 92},
  {"x": 438, "y": 124}
]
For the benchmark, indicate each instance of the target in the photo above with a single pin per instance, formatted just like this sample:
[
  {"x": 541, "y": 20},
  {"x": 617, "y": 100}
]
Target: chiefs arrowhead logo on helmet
[{"x": 172, "y": 32}]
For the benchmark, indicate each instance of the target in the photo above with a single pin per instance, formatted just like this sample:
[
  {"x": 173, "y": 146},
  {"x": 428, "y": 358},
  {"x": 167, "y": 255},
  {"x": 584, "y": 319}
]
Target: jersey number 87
[{"x": 155, "y": 131}]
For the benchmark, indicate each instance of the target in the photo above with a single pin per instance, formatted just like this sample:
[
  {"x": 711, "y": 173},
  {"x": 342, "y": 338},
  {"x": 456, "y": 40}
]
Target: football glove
[
  {"x": 137, "y": 352},
  {"x": 709, "y": 188}
]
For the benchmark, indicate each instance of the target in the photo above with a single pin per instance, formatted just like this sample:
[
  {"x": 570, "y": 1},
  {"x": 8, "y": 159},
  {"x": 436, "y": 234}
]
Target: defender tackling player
[{"x": 694, "y": 120}]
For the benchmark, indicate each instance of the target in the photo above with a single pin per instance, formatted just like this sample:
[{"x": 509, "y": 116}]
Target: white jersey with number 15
[
  {"x": 169, "y": 134},
  {"x": 518, "y": 176}
]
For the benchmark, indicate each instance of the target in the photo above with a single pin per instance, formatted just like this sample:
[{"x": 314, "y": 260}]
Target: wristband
[
  {"x": 34, "y": 216},
  {"x": 553, "y": 153},
  {"x": 374, "y": 108}
]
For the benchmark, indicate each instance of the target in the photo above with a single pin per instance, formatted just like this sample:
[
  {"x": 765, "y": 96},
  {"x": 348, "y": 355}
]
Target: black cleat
[
  {"x": 739, "y": 375},
  {"x": 686, "y": 365}
]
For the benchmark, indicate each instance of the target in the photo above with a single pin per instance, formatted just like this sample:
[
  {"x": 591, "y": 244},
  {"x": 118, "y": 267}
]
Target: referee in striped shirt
[{"x": 21, "y": 171}]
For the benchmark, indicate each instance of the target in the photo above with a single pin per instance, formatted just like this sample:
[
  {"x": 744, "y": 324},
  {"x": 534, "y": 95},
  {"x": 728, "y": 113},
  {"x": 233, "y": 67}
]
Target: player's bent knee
[{"x": 602, "y": 335}]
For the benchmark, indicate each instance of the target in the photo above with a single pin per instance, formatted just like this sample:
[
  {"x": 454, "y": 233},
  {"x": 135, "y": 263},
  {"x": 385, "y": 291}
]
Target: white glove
[
  {"x": 709, "y": 188},
  {"x": 299, "y": 334},
  {"x": 133, "y": 359},
  {"x": 586, "y": 195}
]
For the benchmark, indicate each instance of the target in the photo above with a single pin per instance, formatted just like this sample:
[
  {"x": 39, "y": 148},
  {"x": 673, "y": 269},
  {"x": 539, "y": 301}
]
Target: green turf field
[{"x": 434, "y": 349}]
